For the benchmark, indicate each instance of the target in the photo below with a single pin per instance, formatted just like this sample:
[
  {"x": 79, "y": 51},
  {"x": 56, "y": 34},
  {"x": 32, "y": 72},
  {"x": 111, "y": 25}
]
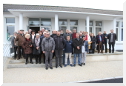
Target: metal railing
[{"x": 7, "y": 50}]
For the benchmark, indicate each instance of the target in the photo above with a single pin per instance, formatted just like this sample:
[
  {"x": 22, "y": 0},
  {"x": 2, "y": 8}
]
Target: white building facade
[{"x": 16, "y": 17}]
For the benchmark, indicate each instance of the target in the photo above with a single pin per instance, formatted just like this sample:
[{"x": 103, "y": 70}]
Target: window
[
  {"x": 45, "y": 22},
  {"x": 10, "y": 32},
  {"x": 122, "y": 34},
  {"x": 73, "y": 22},
  {"x": 63, "y": 22},
  {"x": 122, "y": 24},
  {"x": 117, "y": 34},
  {"x": 98, "y": 23},
  {"x": 117, "y": 24},
  {"x": 34, "y": 22},
  {"x": 73, "y": 27},
  {"x": 10, "y": 20}
]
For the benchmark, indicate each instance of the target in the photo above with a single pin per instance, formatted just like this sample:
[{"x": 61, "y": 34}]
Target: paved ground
[{"x": 92, "y": 70}]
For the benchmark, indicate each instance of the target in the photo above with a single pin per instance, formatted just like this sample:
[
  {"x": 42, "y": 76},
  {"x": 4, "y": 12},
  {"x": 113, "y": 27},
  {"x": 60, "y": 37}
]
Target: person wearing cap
[
  {"x": 84, "y": 50},
  {"x": 48, "y": 46},
  {"x": 14, "y": 44},
  {"x": 37, "y": 48},
  {"x": 20, "y": 38}
]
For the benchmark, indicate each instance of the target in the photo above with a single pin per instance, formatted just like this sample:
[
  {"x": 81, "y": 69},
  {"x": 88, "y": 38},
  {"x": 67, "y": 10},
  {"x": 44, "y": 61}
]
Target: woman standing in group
[
  {"x": 93, "y": 40},
  {"x": 37, "y": 48},
  {"x": 27, "y": 45}
]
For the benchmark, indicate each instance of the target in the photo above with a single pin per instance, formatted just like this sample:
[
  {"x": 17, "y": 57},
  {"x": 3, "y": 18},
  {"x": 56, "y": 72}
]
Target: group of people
[{"x": 60, "y": 46}]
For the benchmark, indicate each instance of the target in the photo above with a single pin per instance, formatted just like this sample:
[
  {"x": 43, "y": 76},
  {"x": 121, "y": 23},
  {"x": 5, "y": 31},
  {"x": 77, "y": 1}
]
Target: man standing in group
[
  {"x": 48, "y": 46},
  {"x": 77, "y": 44},
  {"x": 59, "y": 42},
  {"x": 67, "y": 34},
  {"x": 100, "y": 42},
  {"x": 105, "y": 35},
  {"x": 112, "y": 37},
  {"x": 74, "y": 34},
  {"x": 20, "y": 38}
]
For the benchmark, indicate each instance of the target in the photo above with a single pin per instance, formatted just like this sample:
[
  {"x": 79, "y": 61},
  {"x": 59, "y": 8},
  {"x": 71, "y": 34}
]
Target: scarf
[{"x": 37, "y": 41}]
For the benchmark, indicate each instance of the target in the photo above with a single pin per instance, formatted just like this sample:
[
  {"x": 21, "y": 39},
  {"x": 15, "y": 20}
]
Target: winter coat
[
  {"x": 114, "y": 37},
  {"x": 27, "y": 48},
  {"x": 20, "y": 39},
  {"x": 59, "y": 42},
  {"x": 68, "y": 46},
  {"x": 35, "y": 51},
  {"x": 48, "y": 44},
  {"x": 77, "y": 43},
  {"x": 93, "y": 39}
]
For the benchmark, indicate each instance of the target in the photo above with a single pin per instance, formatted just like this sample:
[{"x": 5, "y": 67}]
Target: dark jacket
[
  {"x": 98, "y": 39},
  {"x": 53, "y": 35},
  {"x": 105, "y": 35},
  {"x": 13, "y": 42},
  {"x": 59, "y": 42},
  {"x": 20, "y": 39},
  {"x": 31, "y": 37},
  {"x": 35, "y": 51},
  {"x": 86, "y": 45},
  {"x": 93, "y": 39},
  {"x": 27, "y": 48},
  {"x": 68, "y": 46},
  {"x": 114, "y": 37},
  {"x": 77, "y": 43}
]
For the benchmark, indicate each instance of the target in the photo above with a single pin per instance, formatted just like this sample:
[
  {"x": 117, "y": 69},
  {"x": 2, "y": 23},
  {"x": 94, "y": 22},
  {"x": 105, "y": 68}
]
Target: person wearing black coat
[
  {"x": 37, "y": 49},
  {"x": 112, "y": 37},
  {"x": 59, "y": 46},
  {"x": 105, "y": 35},
  {"x": 53, "y": 36},
  {"x": 100, "y": 42},
  {"x": 93, "y": 41},
  {"x": 77, "y": 45}
]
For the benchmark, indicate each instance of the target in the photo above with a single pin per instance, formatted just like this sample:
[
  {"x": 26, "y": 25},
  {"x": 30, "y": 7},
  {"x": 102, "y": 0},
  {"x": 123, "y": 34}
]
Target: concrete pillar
[
  {"x": 87, "y": 22},
  {"x": 56, "y": 22},
  {"x": 21, "y": 21}
]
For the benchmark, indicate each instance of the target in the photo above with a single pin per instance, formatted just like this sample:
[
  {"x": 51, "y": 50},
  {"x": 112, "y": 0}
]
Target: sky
[{"x": 96, "y": 4}]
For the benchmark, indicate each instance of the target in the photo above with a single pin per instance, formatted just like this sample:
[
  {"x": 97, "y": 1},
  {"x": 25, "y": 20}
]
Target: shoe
[
  {"x": 51, "y": 67},
  {"x": 36, "y": 62},
  {"x": 80, "y": 64},
  {"x": 60, "y": 66},
  {"x": 74, "y": 65},
  {"x": 46, "y": 68},
  {"x": 26, "y": 63},
  {"x": 31, "y": 62},
  {"x": 56, "y": 66},
  {"x": 65, "y": 65},
  {"x": 83, "y": 63},
  {"x": 71, "y": 65}
]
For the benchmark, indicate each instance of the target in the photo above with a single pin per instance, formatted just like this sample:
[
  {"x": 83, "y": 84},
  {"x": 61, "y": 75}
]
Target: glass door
[
  {"x": 98, "y": 29},
  {"x": 10, "y": 31},
  {"x": 63, "y": 28}
]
